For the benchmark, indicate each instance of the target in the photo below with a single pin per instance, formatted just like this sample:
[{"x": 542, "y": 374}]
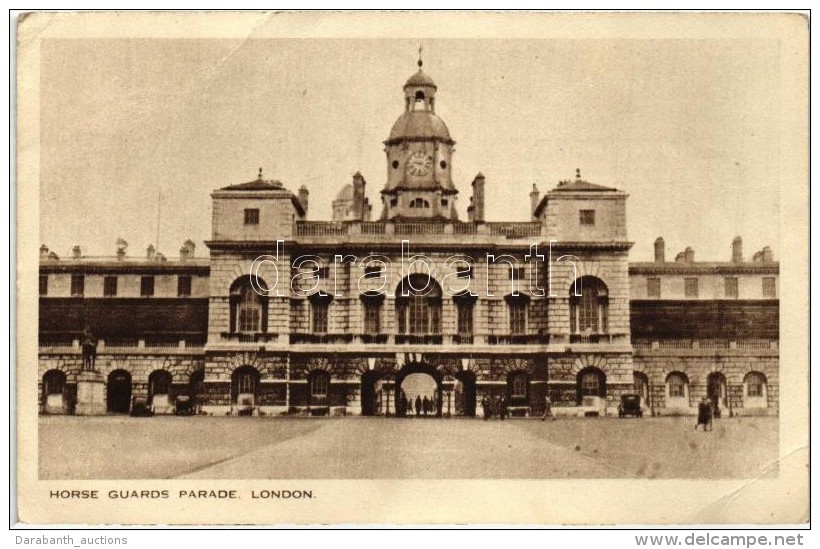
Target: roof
[
  {"x": 581, "y": 186},
  {"x": 419, "y": 125},
  {"x": 256, "y": 185},
  {"x": 421, "y": 79},
  {"x": 346, "y": 193}
]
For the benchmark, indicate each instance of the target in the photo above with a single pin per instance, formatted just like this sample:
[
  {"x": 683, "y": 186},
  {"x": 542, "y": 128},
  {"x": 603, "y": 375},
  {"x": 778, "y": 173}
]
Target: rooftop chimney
[
  {"x": 122, "y": 246},
  {"x": 151, "y": 251},
  {"x": 76, "y": 252},
  {"x": 303, "y": 198},
  {"x": 187, "y": 250},
  {"x": 535, "y": 197},
  {"x": 737, "y": 250},
  {"x": 358, "y": 196},
  {"x": 681, "y": 257},
  {"x": 660, "y": 250},
  {"x": 767, "y": 255},
  {"x": 478, "y": 198},
  {"x": 690, "y": 255},
  {"x": 43, "y": 251}
]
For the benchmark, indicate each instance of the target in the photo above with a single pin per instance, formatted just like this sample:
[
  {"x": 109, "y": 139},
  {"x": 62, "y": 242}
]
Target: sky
[{"x": 136, "y": 133}]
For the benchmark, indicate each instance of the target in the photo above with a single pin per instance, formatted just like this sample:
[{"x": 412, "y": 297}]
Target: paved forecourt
[{"x": 118, "y": 447}]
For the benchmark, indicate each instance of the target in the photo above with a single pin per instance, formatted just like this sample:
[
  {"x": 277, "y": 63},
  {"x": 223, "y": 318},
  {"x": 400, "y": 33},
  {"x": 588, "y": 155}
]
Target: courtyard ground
[{"x": 120, "y": 447}]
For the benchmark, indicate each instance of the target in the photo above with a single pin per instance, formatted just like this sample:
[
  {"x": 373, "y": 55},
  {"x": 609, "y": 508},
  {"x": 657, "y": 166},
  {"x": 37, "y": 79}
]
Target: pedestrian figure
[
  {"x": 418, "y": 405},
  {"x": 502, "y": 408},
  {"x": 486, "y": 407},
  {"x": 704, "y": 414},
  {"x": 425, "y": 405},
  {"x": 547, "y": 408}
]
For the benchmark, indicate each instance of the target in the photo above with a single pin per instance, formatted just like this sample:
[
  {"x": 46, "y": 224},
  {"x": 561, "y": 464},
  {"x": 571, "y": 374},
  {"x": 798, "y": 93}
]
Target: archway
[
  {"x": 118, "y": 397},
  {"x": 54, "y": 388},
  {"x": 371, "y": 394},
  {"x": 716, "y": 391},
  {"x": 422, "y": 381},
  {"x": 465, "y": 393},
  {"x": 591, "y": 382}
]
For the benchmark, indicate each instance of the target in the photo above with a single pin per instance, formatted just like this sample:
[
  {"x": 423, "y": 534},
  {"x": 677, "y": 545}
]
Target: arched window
[
  {"x": 517, "y": 385},
  {"x": 418, "y": 305},
  {"x": 319, "y": 386},
  {"x": 419, "y": 203},
  {"x": 159, "y": 383},
  {"x": 755, "y": 390},
  {"x": 248, "y": 307},
  {"x": 589, "y": 310},
  {"x": 677, "y": 390},
  {"x": 244, "y": 385},
  {"x": 591, "y": 382},
  {"x": 640, "y": 384}
]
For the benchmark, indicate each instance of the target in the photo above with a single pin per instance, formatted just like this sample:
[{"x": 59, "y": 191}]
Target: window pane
[
  {"x": 587, "y": 217},
  {"x": 769, "y": 287},
  {"x": 518, "y": 319},
  {"x": 147, "y": 286},
  {"x": 653, "y": 287},
  {"x": 184, "y": 286},
  {"x": 465, "y": 319},
  {"x": 691, "y": 287},
  {"x": 730, "y": 286},
  {"x": 371, "y": 317},
  {"x": 589, "y": 384},
  {"x": 77, "y": 285},
  {"x": 518, "y": 385},
  {"x": 319, "y": 317},
  {"x": 110, "y": 286},
  {"x": 677, "y": 385},
  {"x": 251, "y": 216}
]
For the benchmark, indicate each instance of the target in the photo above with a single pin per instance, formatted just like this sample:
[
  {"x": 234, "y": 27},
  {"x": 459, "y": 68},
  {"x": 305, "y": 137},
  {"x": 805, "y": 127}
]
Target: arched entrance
[
  {"x": 465, "y": 393},
  {"x": 371, "y": 393},
  {"x": 414, "y": 382},
  {"x": 118, "y": 397},
  {"x": 54, "y": 389},
  {"x": 716, "y": 391}
]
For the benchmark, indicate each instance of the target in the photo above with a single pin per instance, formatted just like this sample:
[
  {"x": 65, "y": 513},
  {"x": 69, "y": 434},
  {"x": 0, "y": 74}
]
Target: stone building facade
[{"x": 294, "y": 316}]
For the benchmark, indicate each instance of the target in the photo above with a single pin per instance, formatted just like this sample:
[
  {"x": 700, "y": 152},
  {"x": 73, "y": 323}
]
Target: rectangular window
[
  {"x": 371, "y": 317},
  {"x": 77, "y": 285},
  {"x": 769, "y": 289},
  {"x": 251, "y": 216},
  {"x": 465, "y": 319},
  {"x": 110, "y": 286},
  {"x": 147, "y": 286},
  {"x": 730, "y": 287},
  {"x": 319, "y": 317},
  {"x": 43, "y": 285},
  {"x": 518, "y": 319},
  {"x": 690, "y": 287},
  {"x": 587, "y": 217},
  {"x": 183, "y": 286},
  {"x": 653, "y": 287}
]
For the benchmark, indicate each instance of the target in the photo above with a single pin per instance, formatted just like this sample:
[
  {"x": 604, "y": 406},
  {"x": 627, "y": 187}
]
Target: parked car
[
  {"x": 140, "y": 407},
  {"x": 184, "y": 406},
  {"x": 630, "y": 406}
]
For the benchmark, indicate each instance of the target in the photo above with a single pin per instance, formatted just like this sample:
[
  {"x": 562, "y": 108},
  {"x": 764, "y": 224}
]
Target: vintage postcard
[{"x": 416, "y": 267}]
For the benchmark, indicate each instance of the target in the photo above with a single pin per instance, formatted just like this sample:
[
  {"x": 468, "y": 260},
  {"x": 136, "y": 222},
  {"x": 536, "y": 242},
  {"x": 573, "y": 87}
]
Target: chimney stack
[
  {"x": 151, "y": 251},
  {"x": 43, "y": 251},
  {"x": 535, "y": 198},
  {"x": 303, "y": 198},
  {"x": 767, "y": 254},
  {"x": 660, "y": 250},
  {"x": 76, "y": 252},
  {"x": 689, "y": 254},
  {"x": 122, "y": 246},
  {"x": 478, "y": 198},
  {"x": 737, "y": 250},
  {"x": 358, "y": 196},
  {"x": 680, "y": 258}
]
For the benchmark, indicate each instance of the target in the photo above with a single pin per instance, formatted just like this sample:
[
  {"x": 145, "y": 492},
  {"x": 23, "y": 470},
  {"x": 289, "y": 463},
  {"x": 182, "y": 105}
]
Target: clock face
[{"x": 419, "y": 164}]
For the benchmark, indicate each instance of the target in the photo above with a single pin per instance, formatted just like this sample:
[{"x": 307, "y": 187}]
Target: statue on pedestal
[{"x": 89, "y": 346}]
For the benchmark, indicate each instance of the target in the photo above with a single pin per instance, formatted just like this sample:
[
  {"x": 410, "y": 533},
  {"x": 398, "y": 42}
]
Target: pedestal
[{"x": 90, "y": 394}]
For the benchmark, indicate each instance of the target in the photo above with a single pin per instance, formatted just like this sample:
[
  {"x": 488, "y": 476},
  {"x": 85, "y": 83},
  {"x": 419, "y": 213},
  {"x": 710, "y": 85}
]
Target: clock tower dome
[{"x": 419, "y": 154}]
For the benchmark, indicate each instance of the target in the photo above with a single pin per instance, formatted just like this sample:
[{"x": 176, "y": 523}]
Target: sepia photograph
[{"x": 285, "y": 257}]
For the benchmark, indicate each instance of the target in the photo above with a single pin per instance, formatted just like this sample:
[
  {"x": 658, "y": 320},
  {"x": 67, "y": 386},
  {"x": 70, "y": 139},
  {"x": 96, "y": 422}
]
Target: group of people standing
[
  {"x": 422, "y": 406},
  {"x": 494, "y": 406}
]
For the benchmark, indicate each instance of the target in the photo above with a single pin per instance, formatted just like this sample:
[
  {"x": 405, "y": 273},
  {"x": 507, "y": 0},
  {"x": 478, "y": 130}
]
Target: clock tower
[{"x": 419, "y": 154}]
